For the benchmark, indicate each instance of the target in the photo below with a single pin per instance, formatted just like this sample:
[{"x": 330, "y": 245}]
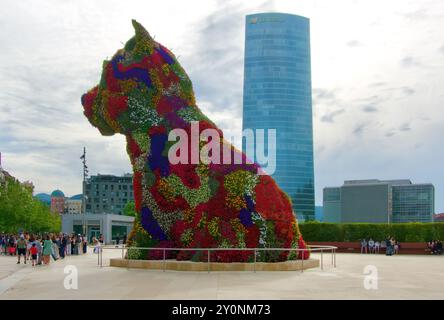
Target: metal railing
[{"x": 311, "y": 249}]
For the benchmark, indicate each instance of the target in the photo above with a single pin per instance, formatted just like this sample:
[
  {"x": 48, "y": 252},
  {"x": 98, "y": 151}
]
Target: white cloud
[{"x": 52, "y": 51}]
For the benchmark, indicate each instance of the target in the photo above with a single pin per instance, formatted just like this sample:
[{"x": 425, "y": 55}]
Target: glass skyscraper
[{"x": 277, "y": 95}]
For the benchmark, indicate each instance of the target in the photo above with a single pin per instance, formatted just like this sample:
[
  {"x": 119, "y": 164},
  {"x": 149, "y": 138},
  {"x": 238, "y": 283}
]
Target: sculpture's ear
[{"x": 141, "y": 33}]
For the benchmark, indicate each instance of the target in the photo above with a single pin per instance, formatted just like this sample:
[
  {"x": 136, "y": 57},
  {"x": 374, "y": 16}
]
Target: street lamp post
[{"x": 84, "y": 197}]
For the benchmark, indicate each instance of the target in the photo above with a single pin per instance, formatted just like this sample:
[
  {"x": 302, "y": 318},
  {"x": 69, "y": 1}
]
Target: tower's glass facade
[{"x": 277, "y": 95}]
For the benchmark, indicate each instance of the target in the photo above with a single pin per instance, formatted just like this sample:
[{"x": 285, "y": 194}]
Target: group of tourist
[
  {"x": 435, "y": 246},
  {"x": 39, "y": 248},
  {"x": 390, "y": 245}
]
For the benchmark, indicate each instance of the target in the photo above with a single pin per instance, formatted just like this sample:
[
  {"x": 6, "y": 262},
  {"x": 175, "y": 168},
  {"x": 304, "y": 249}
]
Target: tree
[
  {"x": 130, "y": 209},
  {"x": 20, "y": 210}
]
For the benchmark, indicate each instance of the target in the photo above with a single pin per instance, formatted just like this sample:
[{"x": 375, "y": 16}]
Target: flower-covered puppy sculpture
[{"x": 145, "y": 94}]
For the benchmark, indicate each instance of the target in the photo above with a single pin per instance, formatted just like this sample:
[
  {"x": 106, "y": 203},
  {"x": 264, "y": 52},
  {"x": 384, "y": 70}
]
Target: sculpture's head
[{"x": 139, "y": 87}]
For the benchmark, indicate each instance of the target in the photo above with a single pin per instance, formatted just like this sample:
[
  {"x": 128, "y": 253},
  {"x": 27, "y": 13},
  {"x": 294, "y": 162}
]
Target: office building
[
  {"x": 277, "y": 95},
  {"x": 108, "y": 193},
  {"x": 379, "y": 201},
  {"x": 73, "y": 205}
]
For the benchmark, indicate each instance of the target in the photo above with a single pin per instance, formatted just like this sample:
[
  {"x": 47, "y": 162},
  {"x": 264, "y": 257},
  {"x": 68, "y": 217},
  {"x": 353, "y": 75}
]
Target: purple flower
[
  {"x": 156, "y": 160},
  {"x": 165, "y": 55},
  {"x": 250, "y": 203},
  {"x": 245, "y": 217},
  {"x": 151, "y": 226},
  {"x": 139, "y": 74}
]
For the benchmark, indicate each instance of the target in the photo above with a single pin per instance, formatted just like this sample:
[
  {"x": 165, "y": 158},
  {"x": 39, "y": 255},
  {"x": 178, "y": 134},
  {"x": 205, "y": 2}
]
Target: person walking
[
  {"x": 3, "y": 244},
  {"x": 28, "y": 246},
  {"x": 389, "y": 250},
  {"x": 85, "y": 245},
  {"x": 55, "y": 247},
  {"x": 62, "y": 248},
  {"x": 21, "y": 248},
  {"x": 38, "y": 244},
  {"x": 11, "y": 245},
  {"x": 97, "y": 245},
  {"x": 34, "y": 251},
  {"x": 47, "y": 250}
]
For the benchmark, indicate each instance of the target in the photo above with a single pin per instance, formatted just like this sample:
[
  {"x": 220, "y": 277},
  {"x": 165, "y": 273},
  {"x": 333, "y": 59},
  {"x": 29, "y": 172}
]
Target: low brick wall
[
  {"x": 355, "y": 247},
  {"x": 293, "y": 265}
]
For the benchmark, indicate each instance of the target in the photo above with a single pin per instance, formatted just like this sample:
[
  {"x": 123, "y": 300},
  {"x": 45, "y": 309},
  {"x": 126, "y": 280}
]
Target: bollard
[
  {"x": 322, "y": 261},
  {"x": 334, "y": 252},
  {"x": 302, "y": 269},
  {"x": 208, "y": 261},
  {"x": 254, "y": 260}
]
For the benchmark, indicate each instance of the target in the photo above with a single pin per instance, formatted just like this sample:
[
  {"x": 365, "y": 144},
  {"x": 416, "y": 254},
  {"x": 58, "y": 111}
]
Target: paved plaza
[{"x": 399, "y": 277}]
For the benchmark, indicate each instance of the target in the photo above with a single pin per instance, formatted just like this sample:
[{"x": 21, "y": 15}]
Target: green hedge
[{"x": 342, "y": 232}]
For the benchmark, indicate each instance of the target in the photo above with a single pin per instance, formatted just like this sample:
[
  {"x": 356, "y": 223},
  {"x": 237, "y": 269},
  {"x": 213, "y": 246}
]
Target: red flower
[
  {"x": 117, "y": 105},
  {"x": 112, "y": 84},
  {"x": 303, "y": 245},
  {"x": 156, "y": 59},
  {"x": 187, "y": 173},
  {"x": 133, "y": 147},
  {"x": 167, "y": 80},
  {"x": 88, "y": 101},
  {"x": 157, "y": 130},
  {"x": 252, "y": 237},
  {"x": 158, "y": 254},
  {"x": 166, "y": 205},
  {"x": 164, "y": 106},
  {"x": 228, "y": 233},
  {"x": 176, "y": 232}
]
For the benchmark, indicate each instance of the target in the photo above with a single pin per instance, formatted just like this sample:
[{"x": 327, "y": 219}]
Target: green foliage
[
  {"x": 271, "y": 241},
  {"x": 193, "y": 196},
  {"x": 342, "y": 232},
  {"x": 19, "y": 210},
  {"x": 316, "y": 231},
  {"x": 241, "y": 182},
  {"x": 130, "y": 209},
  {"x": 141, "y": 240}
]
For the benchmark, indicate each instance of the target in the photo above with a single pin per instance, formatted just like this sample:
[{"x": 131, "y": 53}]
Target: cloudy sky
[{"x": 377, "y": 70}]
